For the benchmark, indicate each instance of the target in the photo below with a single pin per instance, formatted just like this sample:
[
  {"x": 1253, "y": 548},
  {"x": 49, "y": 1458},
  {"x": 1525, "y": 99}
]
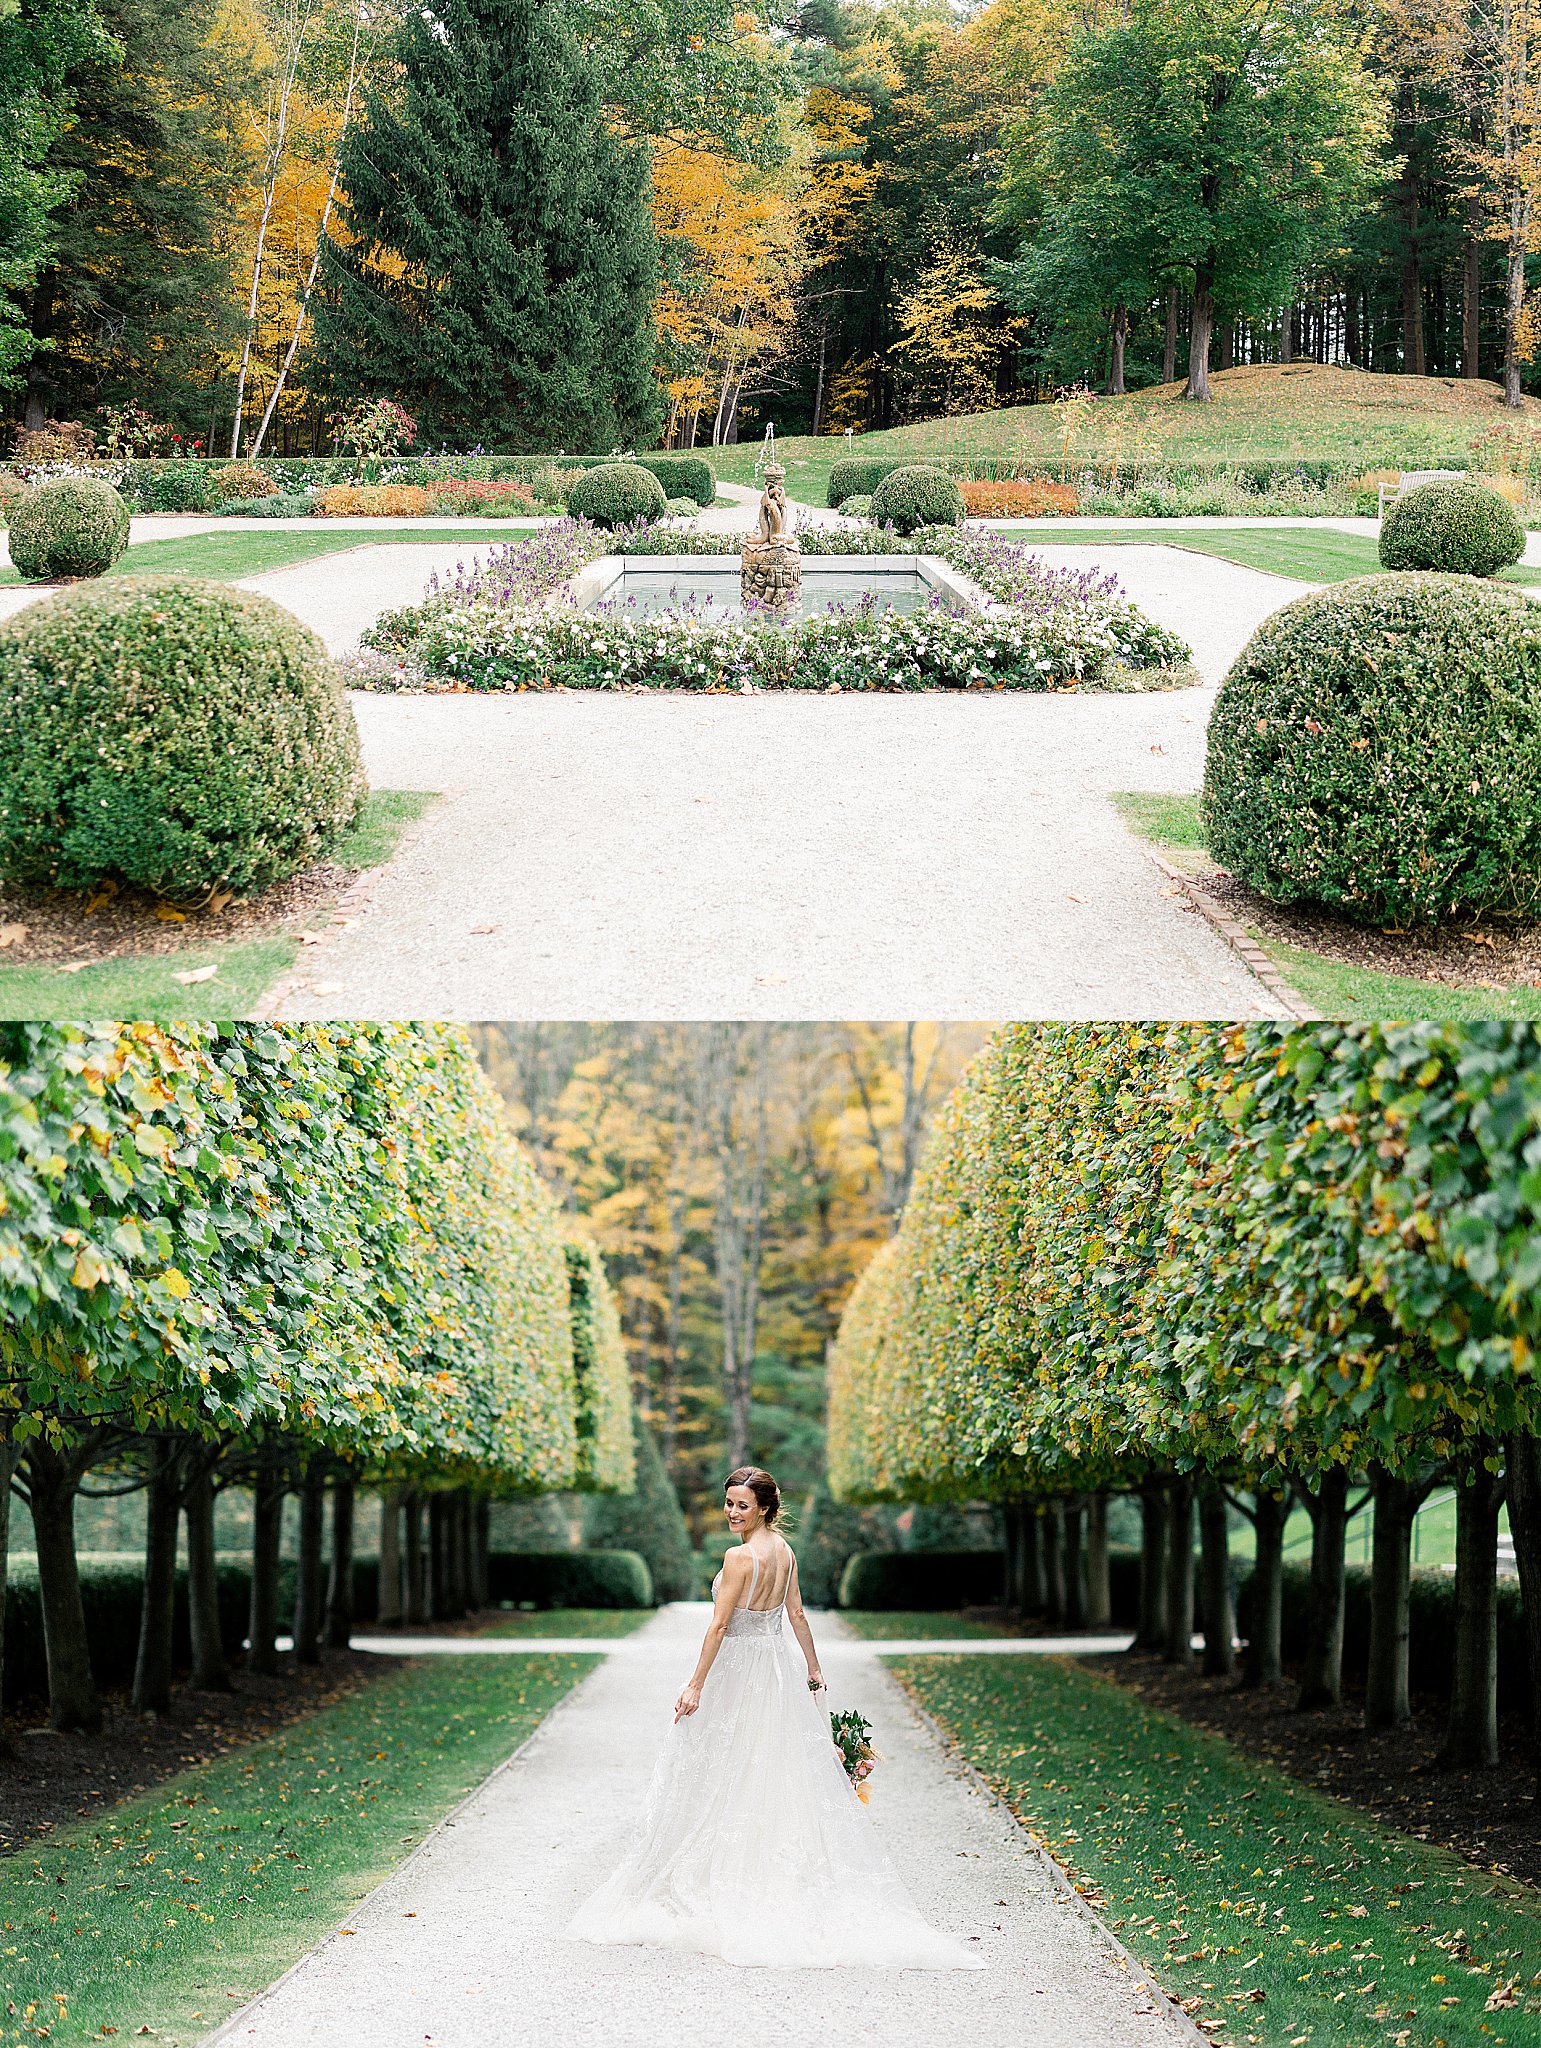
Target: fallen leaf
[
  {"x": 479, "y": 931},
  {"x": 102, "y": 893},
  {"x": 74, "y": 966},
  {"x": 1156, "y": 747},
  {"x": 197, "y": 974},
  {"x": 769, "y": 980},
  {"x": 1503, "y": 1996},
  {"x": 311, "y": 938},
  {"x": 221, "y": 900},
  {"x": 1073, "y": 899},
  {"x": 12, "y": 934},
  {"x": 326, "y": 988},
  {"x": 169, "y": 914}
]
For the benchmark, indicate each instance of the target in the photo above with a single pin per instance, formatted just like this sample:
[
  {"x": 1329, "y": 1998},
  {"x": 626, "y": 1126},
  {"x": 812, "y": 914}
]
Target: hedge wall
[
  {"x": 357, "y": 1179},
  {"x": 606, "y": 1460},
  {"x": 940, "y": 1579},
  {"x": 572, "y": 1578},
  {"x": 859, "y": 475},
  {"x": 194, "y": 485},
  {"x": 110, "y": 1584}
]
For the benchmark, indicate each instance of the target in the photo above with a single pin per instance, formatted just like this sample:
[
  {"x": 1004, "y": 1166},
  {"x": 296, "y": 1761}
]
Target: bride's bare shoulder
[{"x": 736, "y": 1559}]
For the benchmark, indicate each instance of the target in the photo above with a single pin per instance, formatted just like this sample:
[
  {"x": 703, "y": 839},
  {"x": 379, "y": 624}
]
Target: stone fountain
[{"x": 772, "y": 574}]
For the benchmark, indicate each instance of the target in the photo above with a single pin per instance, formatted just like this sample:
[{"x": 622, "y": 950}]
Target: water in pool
[{"x": 645, "y": 593}]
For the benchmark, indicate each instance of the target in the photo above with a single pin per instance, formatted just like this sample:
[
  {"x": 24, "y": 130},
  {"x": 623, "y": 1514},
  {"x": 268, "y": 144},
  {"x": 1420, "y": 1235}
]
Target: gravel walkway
[
  {"x": 462, "y": 1947},
  {"x": 797, "y": 857},
  {"x": 776, "y": 856}
]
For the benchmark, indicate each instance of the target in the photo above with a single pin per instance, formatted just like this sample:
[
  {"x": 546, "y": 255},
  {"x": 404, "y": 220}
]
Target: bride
[{"x": 752, "y": 1844}]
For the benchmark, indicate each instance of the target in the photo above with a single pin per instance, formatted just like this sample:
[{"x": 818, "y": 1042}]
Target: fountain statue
[{"x": 773, "y": 564}]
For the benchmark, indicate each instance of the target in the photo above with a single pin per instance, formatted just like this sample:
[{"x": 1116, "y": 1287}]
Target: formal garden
[{"x": 1180, "y": 1463}]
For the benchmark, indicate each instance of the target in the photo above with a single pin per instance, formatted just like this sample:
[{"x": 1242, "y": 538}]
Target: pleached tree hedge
[
  {"x": 606, "y": 1458},
  {"x": 292, "y": 1258},
  {"x": 1223, "y": 1266}
]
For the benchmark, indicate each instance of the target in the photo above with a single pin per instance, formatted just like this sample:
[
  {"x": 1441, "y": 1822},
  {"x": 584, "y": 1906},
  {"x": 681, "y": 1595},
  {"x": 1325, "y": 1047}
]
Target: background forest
[
  {"x": 737, "y": 1177},
  {"x": 836, "y": 215}
]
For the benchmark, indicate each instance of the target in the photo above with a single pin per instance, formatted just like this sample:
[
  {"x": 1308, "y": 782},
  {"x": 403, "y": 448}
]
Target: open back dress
[{"x": 752, "y": 1844}]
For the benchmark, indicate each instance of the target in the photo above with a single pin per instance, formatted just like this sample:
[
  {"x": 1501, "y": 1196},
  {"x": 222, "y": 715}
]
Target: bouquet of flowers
[{"x": 853, "y": 1746}]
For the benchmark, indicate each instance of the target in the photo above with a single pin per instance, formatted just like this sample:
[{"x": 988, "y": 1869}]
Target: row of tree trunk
[
  {"x": 1173, "y": 1594},
  {"x": 433, "y": 1563},
  {"x": 1057, "y": 1560}
]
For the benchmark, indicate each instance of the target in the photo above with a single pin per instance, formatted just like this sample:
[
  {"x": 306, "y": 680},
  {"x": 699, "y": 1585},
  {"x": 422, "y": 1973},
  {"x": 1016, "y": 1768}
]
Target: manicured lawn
[
  {"x": 1335, "y": 987},
  {"x": 878, "y": 1628},
  {"x": 1292, "y": 1921},
  {"x": 226, "y": 556},
  {"x": 1309, "y": 554},
  {"x": 1171, "y": 821},
  {"x": 1340, "y": 990},
  {"x": 571, "y": 1621},
  {"x": 1266, "y": 412},
  {"x": 165, "y": 1914},
  {"x": 142, "y": 984}
]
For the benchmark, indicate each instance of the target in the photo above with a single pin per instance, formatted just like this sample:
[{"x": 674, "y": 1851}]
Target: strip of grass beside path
[
  {"x": 570, "y": 1621},
  {"x": 225, "y": 556},
  {"x": 1310, "y": 554},
  {"x": 1336, "y": 988},
  {"x": 1287, "y": 1917},
  {"x": 141, "y": 984},
  {"x": 876, "y": 1628},
  {"x": 163, "y": 1915}
]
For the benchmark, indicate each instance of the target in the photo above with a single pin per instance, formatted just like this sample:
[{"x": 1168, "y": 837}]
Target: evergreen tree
[
  {"x": 650, "y": 1521},
  {"x": 39, "y": 45},
  {"x": 135, "y": 295},
  {"x": 495, "y": 262}
]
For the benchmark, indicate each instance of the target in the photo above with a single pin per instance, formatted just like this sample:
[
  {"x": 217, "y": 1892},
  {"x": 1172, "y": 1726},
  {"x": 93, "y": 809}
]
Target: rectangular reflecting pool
[{"x": 645, "y": 586}]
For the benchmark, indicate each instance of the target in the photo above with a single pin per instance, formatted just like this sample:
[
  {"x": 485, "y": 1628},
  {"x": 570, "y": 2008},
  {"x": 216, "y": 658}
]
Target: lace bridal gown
[{"x": 752, "y": 1844}]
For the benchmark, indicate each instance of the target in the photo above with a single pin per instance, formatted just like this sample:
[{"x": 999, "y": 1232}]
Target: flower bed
[
  {"x": 1020, "y": 498},
  {"x": 497, "y": 628}
]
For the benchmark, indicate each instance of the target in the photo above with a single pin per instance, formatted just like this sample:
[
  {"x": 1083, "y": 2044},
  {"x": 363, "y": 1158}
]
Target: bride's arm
[
  {"x": 735, "y": 1569},
  {"x": 800, "y": 1628}
]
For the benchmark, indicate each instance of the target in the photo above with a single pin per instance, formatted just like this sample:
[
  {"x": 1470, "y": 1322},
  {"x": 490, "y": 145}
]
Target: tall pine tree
[
  {"x": 135, "y": 295},
  {"x": 495, "y": 262}
]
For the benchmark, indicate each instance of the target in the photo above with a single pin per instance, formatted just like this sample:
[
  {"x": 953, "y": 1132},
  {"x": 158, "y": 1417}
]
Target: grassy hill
[{"x": 1284, "y": 411}]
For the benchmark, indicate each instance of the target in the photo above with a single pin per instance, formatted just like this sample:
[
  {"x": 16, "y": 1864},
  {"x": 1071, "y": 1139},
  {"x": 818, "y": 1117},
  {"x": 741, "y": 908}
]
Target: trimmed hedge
[
  {"x": 682, "y": 476},
  {"x": 1462, "y": 528},
  {"x": 570, "y": 1578},
  {"x": 858, "y": 476},
  {"x": 178, "y": 735},
  {"x": 616, "y": 494},
  {"x": 648, "y": 1520},
  {"x": 282, "y": 505},
  {"x": 110, "y": 1587},
  {"x": 943, "y": 1579},
  {"x": 1377, "y": 748},
  {"x": 1431, "y": 1629},
  {"x": 68, "y": 526},
  {"x": 917, "y": 495}
]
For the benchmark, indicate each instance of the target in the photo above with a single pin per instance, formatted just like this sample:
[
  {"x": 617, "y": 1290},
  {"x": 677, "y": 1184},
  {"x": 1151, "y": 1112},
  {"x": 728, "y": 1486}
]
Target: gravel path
[
  {"x": 462, "y": 1947},
  {"x": 776, "y": 856},
  {"x": 797, "y": 857}
]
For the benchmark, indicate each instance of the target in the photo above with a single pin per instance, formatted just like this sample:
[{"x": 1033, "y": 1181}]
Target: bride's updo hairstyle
[{"x": 761, "y": 1485}]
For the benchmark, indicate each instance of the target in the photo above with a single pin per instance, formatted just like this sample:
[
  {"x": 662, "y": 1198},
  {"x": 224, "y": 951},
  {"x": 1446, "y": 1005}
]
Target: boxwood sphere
[
  {"x": 615, "y": 494},
  {"x": 1461, "y": 527},
  {"x": 917, "y": 495},
  {"x": 1377, "y": 749},
  {"x": 178, "y": 735},
  {"x": 68, "y": 526}
]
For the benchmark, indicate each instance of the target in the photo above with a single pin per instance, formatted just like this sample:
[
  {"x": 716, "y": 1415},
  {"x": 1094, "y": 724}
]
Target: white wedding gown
[{"x": 752, "y": 1844}]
